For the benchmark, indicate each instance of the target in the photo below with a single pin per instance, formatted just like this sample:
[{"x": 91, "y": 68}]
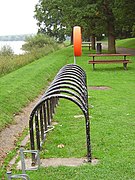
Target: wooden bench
[
  {"x": 86, "y": 44},
  {"x": 124, "y": 61}
]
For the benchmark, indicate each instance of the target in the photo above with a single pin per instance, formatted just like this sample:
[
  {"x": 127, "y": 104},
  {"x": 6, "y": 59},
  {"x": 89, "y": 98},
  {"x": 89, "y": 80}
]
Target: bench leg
[
  {"x": 125, "y": 66},
  {"x": 93, "y": 66}
]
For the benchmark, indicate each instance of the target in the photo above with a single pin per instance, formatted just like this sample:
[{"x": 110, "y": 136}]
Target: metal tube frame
[{"x": 70, "y": 83}]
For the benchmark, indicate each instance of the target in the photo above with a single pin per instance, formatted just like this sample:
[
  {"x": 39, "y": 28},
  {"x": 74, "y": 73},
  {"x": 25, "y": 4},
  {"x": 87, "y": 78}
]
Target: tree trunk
[
  {"x": 93, "y": 41},
  {"x": 111, "y": 38},
  {"x": 71, "y": 40},
  {"x": 110, "y": 20}
]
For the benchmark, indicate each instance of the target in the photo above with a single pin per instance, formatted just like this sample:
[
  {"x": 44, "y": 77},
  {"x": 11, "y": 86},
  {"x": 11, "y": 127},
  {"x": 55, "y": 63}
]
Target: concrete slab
[{"x": 55, "y": 162}]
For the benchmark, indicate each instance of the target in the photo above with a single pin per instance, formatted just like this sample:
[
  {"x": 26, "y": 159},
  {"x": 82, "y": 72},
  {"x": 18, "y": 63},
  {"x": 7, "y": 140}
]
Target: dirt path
[
  {"x": 126, "y": 50},
  {"x": 9, "y": 135}
]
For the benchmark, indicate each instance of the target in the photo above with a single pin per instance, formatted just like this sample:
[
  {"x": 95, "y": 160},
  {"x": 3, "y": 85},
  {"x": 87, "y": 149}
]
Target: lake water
[{"x": 15, "y": 45}]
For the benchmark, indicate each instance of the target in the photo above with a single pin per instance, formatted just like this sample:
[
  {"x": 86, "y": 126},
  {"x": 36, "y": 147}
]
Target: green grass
[
  {"x": 112, "y": 122},
  {"x": 66, "y": 133},
  {"x": 126, "y": 43},
  {"x": 112, "y": 128},
  {"x": 23, "y": 85}
]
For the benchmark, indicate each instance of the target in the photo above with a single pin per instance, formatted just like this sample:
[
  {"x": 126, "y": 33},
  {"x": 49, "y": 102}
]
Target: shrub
[
  {"x": 35, "y": 47},
  {"x": 6, "y": 50},
  {"x": 38, "y": 41}
]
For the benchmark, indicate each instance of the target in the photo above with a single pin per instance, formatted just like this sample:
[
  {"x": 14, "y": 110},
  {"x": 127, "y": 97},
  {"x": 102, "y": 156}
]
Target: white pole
[{"x": 74, "y": 60}]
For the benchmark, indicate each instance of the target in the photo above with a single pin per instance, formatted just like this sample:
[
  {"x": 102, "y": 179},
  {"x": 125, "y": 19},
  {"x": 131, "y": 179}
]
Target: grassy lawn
[
  {"x": 112, "y": 118},
  {"x": 126, "y": 43},
  {"x": 19, "y": 87}
]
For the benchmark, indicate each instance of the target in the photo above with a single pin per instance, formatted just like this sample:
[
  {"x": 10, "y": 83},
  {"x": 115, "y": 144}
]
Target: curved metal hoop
[{"x": 70, "y": 84}]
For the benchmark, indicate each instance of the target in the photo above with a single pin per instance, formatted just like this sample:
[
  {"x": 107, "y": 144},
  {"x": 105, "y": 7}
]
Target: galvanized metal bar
[
  {"x": 36, "y": 164},
  {"x": 22, "y": 160},
  {"x": 17, "y": 176}
]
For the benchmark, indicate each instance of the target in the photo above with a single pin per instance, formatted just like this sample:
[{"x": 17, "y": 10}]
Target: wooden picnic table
[
  {"x": 108, "y": 61},
  {"x": 86, "y": 44}
]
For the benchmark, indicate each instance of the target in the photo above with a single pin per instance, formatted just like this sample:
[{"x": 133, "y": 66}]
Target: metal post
[
  {"x": 74, "y": 60},
  {"x": 9, "y": 175},
  {"x": 22, "y": 160}
]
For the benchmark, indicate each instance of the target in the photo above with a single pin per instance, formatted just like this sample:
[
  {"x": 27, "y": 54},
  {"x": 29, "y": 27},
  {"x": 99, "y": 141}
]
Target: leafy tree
[
  {"x": 107, "y": 17},
  {"x": 125, "y": 18},
  {"x": 49, "y": 16},
  {"x": 58, "y": 17}
]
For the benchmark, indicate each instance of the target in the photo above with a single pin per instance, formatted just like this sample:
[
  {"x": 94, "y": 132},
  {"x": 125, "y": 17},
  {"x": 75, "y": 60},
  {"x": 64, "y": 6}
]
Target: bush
[
  {"x": 6, "y": 50},
  {"x": 38, "y": 41},
  {"x": 36, "y": 47}
]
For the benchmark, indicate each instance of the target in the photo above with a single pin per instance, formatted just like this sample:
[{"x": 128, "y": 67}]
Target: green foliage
[
  {"x": 6, "y": 50},
  {"x": 38, "y": 41},
  {"x": 37, "y": 46},
  {"x": 133, "y": 30},
  {"x": 49, "y": 15},
  {"x": 57, "y": 18},
  {"x": 124, "y": 17},
  {"x": 113, "y": 18}
]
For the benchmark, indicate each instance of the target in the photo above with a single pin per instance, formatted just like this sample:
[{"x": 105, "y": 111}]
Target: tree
[
  {"x": 50, "y": 18},
  {"x": 58, "y": 17},
  {"x": 107, "y": 17},
  {"x": 125, "y": 18},
  {"x": 118, "y": 16}
]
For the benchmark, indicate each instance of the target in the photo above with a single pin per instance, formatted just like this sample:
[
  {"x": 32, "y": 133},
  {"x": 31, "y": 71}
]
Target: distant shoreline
[{"x": 20, "y": 37}]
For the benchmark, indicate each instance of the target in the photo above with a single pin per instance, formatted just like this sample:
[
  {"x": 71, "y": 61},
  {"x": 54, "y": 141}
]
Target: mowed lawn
[
  {"x": 127, "y": 43},
  {"x": 112, "y": 114}
]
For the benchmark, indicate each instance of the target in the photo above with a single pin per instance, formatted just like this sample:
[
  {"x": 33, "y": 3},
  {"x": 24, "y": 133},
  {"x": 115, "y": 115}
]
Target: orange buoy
[{"x": 77, "y": 41}]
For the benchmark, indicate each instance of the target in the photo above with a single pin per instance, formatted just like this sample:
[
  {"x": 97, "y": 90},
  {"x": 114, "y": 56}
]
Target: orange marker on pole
[{"x": 77, "y": 41}]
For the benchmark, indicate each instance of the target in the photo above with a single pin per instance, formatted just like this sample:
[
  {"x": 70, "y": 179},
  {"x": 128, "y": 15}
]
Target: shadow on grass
[{"x": 100, "y": 69}]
